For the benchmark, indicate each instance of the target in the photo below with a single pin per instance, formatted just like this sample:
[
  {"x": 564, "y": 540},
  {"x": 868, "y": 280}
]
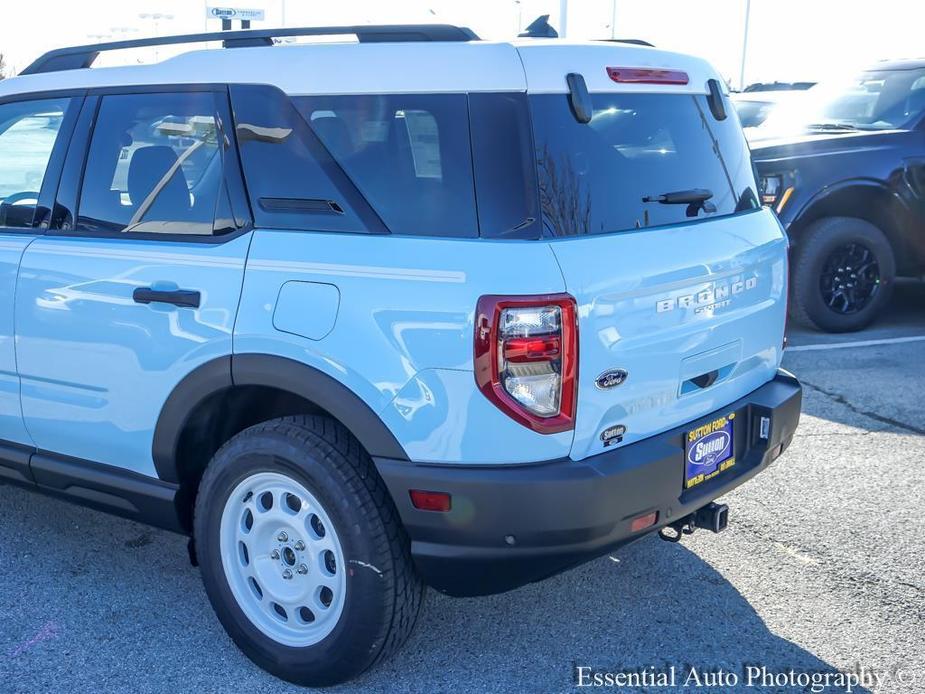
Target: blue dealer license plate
[{"x": 708, "y": 451}]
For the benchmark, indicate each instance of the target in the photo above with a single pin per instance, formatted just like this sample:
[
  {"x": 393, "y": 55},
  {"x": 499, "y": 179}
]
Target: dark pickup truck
[{"x": 848, "y": 183}]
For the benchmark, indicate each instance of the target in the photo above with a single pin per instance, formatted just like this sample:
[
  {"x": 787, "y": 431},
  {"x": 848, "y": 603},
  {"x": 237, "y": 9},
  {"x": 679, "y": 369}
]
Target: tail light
[{"x": 526, "y": 358}]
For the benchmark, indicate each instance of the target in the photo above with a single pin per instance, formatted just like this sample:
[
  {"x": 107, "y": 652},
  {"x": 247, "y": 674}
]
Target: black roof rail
[{"x": 77, "y": 57}]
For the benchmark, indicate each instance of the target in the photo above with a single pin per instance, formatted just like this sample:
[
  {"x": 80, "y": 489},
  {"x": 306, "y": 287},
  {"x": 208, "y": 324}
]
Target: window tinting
[
  {"x": 409, "y": 155},
  {"x": 154, "y": 165},
  {"x": 593, "y": 177},
  {"x": 292, "y": 181},
  {"x": 505, "y": 175},
  {"x": 28, "y": 130},
  {"x": 735, "y": 155}
]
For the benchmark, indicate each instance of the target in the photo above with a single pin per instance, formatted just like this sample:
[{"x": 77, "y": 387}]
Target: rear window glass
[
  {"x": 505, "y": 174},
  {"x": 408, "y": 154},
  {"x": 594, "y": 177}
]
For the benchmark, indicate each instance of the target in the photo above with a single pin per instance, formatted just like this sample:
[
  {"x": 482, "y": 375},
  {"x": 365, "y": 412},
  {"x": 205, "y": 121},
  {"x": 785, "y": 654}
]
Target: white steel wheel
[{"x": 282, "y": 559}]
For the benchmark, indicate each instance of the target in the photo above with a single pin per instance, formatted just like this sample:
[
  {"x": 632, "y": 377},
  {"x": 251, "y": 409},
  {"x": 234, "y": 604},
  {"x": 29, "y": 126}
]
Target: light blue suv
[{"x": 361, "y": 317}]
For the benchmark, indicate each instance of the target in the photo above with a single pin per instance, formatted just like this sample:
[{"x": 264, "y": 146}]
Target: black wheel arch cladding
[{"x": 271, "y": 371}]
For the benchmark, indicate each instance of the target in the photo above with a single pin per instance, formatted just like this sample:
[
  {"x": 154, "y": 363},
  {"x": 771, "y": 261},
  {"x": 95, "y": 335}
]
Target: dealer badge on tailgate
[{"x": 708, "y": 451}]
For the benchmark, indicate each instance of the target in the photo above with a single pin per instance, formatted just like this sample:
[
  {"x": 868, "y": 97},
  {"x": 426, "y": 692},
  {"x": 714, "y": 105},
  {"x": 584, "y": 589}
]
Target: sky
[{"x": 788, "y": 40}]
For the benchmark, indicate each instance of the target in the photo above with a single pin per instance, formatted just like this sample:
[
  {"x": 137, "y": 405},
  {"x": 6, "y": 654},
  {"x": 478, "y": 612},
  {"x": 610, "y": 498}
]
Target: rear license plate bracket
[{"x": 709, "y": 450}]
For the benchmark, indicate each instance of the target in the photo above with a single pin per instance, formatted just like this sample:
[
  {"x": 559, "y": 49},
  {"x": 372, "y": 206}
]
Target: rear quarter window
[
  {"x": 593, "y": 177},
  {"x": 408, "y": 154},
  {"x": 292, "y": 180},
  {"x": 505, "y": 173}
]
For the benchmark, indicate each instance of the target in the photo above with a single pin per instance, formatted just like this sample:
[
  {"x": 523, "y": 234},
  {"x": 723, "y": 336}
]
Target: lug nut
[
  {"x": 282, "y": 537},
  {"x": 303, "y": 569},
  {"x": 300, "y": 545},
  {"x": 287, "y": 574},
  {"x": 274, "y": 554}
]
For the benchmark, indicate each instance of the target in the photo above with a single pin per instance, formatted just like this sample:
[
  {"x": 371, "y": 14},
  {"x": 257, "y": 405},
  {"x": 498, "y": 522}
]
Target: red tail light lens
[
  {"x": 645, "y": 75},
  {"x": 526, "y": 349},
  {"x": 526, "y": 358}
]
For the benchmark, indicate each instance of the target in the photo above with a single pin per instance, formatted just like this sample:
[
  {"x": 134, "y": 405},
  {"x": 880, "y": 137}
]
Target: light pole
[
  {"x": 748, "y": 12},
  {"x": 563, "y": 18},
  {"x": 613, "y": 19}
]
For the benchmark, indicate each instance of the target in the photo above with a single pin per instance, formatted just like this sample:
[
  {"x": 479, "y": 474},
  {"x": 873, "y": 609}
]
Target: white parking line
[{"x": 858, "y": 343}]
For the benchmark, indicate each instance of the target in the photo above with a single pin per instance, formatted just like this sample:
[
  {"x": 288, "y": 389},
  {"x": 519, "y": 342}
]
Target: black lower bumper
[{"x": 511, "y": 525}]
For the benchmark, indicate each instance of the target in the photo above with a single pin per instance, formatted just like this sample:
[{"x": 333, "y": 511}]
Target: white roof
[
  {"x": 547, "y": 61},
  {"x": 535, "y": 65}
]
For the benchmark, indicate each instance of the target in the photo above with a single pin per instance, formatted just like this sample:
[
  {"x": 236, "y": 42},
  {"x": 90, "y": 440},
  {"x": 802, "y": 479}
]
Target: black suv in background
[{"x": 845, "y": 170}]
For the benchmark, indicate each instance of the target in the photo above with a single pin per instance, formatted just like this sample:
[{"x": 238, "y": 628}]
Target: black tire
[
  {"x": 816, "y": 247},
  {"x": 383, "y": 594}
]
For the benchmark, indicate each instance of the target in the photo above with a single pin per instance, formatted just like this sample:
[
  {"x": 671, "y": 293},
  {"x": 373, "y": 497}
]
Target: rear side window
[
  {"x": 292, "y": 180},
  {"x": 594, "y": 177},
  {"x": 408, "y": 154},
  {"x": 28, "y": 130},
  {"x": 154, "y": 165}
]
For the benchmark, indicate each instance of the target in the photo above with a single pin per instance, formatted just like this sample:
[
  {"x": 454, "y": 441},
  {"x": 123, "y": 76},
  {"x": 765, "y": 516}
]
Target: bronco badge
[
  {"x": 719, "y": 296},
  {"x": 611, "y": 378}
]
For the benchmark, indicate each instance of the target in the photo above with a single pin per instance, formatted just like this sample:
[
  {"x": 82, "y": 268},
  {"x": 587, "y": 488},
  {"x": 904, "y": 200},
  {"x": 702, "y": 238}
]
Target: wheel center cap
[{"x": 289, "y": 557}]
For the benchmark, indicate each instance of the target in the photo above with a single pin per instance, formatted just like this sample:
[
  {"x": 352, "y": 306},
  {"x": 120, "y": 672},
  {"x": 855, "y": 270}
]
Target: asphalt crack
[
  {"x": 842, "y": 400},
  {"x": 860, "y": 581}
]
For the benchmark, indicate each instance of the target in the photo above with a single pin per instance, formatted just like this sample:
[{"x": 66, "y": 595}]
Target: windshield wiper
[
  {"x": 830, "y": 126},
  {"x": 696, "y": 199}
]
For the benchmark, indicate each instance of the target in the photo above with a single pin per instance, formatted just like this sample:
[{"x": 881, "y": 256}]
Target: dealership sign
[{"x": 234, "y": 13}]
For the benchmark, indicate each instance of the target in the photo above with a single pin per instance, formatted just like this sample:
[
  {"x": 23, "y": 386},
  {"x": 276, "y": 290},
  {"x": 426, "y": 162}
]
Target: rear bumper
[{"x": 511, "y": 525}]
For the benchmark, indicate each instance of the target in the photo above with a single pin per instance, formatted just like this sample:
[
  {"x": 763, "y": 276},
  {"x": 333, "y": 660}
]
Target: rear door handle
[{"x": 186, "y": 298}]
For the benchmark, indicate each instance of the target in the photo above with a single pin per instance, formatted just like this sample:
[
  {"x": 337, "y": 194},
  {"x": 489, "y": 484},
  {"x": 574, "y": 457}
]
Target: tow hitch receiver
[{"x": 713, "y": 517}]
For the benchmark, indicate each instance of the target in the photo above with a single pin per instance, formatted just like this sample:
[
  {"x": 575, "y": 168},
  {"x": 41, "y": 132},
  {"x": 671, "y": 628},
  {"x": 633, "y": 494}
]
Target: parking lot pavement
[
  {"x": 902, "y": 319},
  {"x": 821, "y": 569}
]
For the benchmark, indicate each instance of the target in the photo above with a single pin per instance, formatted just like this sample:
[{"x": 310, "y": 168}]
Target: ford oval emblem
[{"x": 611, "y": 378}]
